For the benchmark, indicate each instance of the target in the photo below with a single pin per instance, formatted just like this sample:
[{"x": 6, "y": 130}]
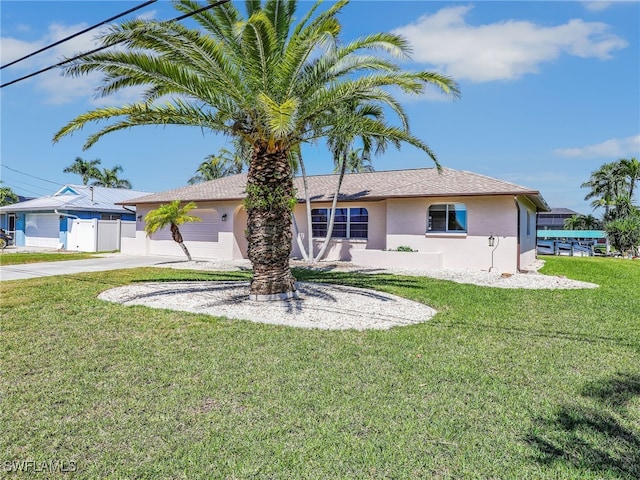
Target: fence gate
[{"x": 96, "y": 235}]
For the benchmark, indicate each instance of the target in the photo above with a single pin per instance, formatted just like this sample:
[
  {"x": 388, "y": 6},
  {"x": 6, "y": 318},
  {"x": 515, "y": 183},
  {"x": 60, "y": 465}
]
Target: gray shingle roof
[
  {"x": 425, "y": 182},
  {"x": 79, "y": 198}
]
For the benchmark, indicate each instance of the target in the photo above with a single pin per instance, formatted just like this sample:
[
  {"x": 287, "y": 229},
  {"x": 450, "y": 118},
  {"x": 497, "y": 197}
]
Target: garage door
[{"x": 42, "y": 230}]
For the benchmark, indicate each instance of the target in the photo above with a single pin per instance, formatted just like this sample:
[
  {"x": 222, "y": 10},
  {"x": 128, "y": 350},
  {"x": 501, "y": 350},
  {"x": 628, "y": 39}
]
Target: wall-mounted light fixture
[
  {"x": 139, "y": 217},
  {"x": 492, "y": 241},
  {"x": 224, "y": 217}
]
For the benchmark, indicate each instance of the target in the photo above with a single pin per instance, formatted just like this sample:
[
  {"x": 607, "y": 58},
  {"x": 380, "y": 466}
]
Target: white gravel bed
[
  {"x": 530, "y": 280},
  {"x": 319, "y": 306}
]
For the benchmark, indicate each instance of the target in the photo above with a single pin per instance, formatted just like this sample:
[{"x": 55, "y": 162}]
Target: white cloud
[
  {"x": 612, "y": 149},
  {"x": 502, "y": 51},
  {"x": 57, "y": 88},
  {"x": 596, "y": 5}
]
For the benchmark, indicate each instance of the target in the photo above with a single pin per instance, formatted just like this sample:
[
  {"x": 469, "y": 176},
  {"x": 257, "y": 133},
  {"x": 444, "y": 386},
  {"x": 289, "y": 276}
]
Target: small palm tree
[
  {"x": 171, "y": 214},
  {"x": 109, "y": 178},
  {"x": 87, "y": 169}
]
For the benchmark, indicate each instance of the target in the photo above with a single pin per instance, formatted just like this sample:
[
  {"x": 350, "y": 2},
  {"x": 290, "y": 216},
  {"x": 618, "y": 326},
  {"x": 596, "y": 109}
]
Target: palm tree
[
  {"x": 174, "y": 215},
  {"x": 217, "y": 166},
  {"x": 582, "y": 222},
  {"x": 108, "y": 177},
  {"x": 87, "y": 169},
  {"x": 357, "y": 161},
  {"x": 7, "y": 196},
  {"x": 630, "y": 170},
  {"x": 259, "y": 78}
]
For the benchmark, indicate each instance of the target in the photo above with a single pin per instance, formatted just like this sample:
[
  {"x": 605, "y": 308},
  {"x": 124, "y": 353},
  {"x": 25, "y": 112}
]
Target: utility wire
[
  {"x": 78, "y": 34},
  {"x": 32, "y": 176},
  {"x": 177, "y": 19}
]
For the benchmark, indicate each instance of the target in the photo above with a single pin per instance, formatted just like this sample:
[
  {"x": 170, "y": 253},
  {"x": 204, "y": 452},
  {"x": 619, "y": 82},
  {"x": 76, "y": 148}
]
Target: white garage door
[{"x": 42, "y": 230}]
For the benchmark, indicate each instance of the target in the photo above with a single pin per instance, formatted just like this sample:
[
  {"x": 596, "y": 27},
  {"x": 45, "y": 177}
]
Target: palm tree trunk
[
  {"x": 332, "y": 216},
  {"x": 307, "y": 202},
  {"x": 269, "y": 203},
  {"x": 177, "y": 237}
]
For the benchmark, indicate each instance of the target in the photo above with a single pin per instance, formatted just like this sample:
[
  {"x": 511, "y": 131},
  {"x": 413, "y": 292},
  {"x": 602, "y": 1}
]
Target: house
[
  {"x": 76, "y": 217},
  {"x": 554, "y": 218},
  {"x": 454, "y": 219}
]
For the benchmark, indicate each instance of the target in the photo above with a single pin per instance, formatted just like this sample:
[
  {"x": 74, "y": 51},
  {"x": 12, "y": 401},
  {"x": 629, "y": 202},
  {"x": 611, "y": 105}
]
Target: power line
[
  {"x": 78, "y": 34},
  {"x": 32, "y": 176},
  {"x": 177, "y": 19}
]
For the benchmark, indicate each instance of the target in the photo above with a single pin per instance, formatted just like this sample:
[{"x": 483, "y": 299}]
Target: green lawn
[
  {"x": 29, "y": 257},
  {"x": 502, "y": 384}
]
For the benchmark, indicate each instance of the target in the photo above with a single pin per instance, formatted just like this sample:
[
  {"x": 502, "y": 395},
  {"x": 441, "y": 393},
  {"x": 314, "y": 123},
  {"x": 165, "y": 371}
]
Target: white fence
[{"x": 98, "y": 235}]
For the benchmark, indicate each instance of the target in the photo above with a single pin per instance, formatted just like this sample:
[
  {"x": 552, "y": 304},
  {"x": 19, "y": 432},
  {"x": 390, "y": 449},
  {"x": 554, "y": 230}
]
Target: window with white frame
[
  {"x": 348, "y": 222},
  {"x": 447, "y": 218}
]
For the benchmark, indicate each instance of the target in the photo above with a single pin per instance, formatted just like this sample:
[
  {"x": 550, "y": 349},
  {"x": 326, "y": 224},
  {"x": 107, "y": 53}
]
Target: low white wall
[{"x": 400, "y": 260}]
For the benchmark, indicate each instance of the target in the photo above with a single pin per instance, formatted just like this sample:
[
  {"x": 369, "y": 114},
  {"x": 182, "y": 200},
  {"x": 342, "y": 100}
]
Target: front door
[{"x": 11, "y": 225}]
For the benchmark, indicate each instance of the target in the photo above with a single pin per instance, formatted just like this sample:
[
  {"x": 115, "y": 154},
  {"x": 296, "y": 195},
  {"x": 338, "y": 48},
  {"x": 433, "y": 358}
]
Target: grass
[
  {"x": 500, "y": 384},
  {"x": 29, "y": 257}
]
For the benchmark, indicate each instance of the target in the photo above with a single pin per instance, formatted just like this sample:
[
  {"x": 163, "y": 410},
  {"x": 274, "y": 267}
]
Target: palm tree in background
[
  {"x": 357, "y": 161},
  {"x": 222, "y": 165},
  {"x": 7, "y": 196},
  {"x": 612, "y": 182},
  {"x": 630, "y": 170},
  {"x": 171, "y": 214},
  {"x": 87, "y": 169},
  {"x": 109, "y": 178},
  {"x": 582, "y": 222},
  {"x": 260, "y": 78}
]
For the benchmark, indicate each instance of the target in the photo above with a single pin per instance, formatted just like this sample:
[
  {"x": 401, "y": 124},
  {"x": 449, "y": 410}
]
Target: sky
[{"x": 550, "y": 91}]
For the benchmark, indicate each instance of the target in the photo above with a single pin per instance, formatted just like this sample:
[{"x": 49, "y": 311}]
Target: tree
[
  {"x": 611, "y": 182},
  {"x": 259, "y": 78},
  {"x": 624, "y": 234},
  {"x": 108, "y": 177},
  {"x": 630, "y": 170},
  {"x": 222, "y": 165},
  {"x": 7, "y": 196},
  {"x": 357, "y": 161},
  {"x": 171, "y": 214},
  {"x": 87, "y": 169},
  {"x": 582, "y": 222}
]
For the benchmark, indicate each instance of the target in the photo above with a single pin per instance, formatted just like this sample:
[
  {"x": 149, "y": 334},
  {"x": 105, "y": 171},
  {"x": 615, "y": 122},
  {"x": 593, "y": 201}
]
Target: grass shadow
[{"x": 601, "y": 439}]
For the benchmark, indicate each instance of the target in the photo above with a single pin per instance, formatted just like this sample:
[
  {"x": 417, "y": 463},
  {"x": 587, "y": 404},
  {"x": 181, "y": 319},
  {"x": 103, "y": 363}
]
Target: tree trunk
[
  {"x": 332, "y": 215},
  {"x": 177, "y": 237},
  {"x": 269, "y": 203},
  {"x": 307, "y": 203}
]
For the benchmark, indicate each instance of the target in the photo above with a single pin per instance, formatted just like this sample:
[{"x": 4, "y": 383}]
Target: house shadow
[{"x": 603, "y": 438}]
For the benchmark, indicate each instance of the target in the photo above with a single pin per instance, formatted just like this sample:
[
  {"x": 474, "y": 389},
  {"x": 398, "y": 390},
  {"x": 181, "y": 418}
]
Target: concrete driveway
[{"x": 108, "y": 262}]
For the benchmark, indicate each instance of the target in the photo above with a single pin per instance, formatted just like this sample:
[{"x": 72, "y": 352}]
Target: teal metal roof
[{"x": 571, "y": 234}]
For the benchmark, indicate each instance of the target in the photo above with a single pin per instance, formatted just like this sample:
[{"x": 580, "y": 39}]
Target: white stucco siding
[
  {"x": 528, "y": 234},
  {"x": 486, "y": 216},
  {"x": 210, "y": 239}
]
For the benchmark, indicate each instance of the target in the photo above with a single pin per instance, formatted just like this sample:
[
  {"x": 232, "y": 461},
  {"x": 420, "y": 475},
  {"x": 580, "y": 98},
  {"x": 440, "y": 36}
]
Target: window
[
  {"x": 448, "y": 217},
  {"x": 348, "y": 223}
]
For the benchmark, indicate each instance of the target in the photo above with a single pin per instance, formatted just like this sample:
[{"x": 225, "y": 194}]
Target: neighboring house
[
  {"x": 76, "y": 217},
  {"x": 447, "y": 217},
  {"x": 554, "y": 218}
]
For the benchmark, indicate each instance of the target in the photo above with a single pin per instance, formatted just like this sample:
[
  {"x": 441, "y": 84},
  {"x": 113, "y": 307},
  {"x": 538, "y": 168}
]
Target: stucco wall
[
  {"x": 497, "y": 216},
  {"x": 528, "y": 239},
  {"x": 210, "y": 239}
]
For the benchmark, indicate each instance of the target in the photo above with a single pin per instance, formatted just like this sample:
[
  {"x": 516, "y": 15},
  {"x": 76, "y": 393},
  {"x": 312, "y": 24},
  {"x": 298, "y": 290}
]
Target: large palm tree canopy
[
  {"x": 263, "y": 79},
  {"x": 252, "y": 77}
]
